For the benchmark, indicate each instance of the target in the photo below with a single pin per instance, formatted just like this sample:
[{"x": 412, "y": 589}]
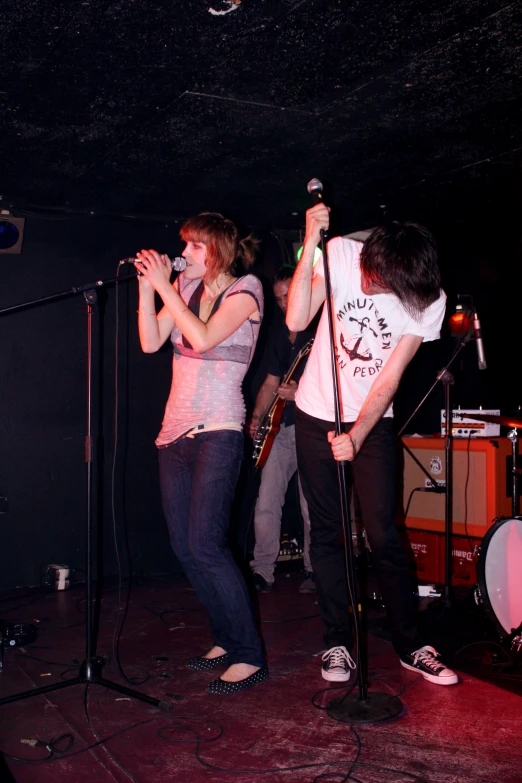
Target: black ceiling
[{"x": 161, "y": 109}]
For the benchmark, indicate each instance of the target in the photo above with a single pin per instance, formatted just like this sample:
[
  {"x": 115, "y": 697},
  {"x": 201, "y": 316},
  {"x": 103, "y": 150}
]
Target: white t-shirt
[{"x": 367, "y": 329}]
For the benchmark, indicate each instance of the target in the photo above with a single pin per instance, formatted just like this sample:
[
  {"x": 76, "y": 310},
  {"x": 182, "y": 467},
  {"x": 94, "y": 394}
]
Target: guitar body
[
  {"x": 270, "y": 422},
  {"x": 267, "y": 432}
]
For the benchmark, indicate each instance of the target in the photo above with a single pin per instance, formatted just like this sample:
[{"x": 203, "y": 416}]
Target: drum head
[{"x": 499, "y": 573}]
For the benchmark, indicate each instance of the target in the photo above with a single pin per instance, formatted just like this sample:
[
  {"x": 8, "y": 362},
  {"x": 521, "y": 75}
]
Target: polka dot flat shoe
[
  {"x": 200, "y": 664},
  {"x": 223, "y": 688}
]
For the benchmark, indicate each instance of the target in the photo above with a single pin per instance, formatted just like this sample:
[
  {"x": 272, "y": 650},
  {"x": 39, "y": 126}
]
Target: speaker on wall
[{"x": 11, "y": 233}]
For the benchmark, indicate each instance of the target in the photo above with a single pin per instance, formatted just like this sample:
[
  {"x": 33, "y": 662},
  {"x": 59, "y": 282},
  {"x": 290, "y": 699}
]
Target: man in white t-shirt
[{"x": 387, "y": 300}]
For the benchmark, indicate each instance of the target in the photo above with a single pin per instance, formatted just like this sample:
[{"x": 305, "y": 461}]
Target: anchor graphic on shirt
[{"x": 356, "y": 340}]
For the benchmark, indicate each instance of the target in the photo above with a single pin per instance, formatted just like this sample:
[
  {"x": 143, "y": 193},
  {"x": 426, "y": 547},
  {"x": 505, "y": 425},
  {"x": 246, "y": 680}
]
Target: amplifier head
[{"x": 465, "y": 427}]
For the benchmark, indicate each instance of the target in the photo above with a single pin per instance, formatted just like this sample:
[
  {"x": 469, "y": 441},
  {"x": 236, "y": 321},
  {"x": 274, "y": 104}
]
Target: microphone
[
  {"x": 178, "y": 263},
  {"x": 315, "y": 189},
  {"x": 480, "y": 345}
]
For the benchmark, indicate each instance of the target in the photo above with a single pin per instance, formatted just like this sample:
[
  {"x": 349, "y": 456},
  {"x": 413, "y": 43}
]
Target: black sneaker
[
  {"x": 308, "y": 585},
  {"x": 261, "y": 584},
  {"x": 425, "y": 661},
  {"x": 337, "y": 665}
]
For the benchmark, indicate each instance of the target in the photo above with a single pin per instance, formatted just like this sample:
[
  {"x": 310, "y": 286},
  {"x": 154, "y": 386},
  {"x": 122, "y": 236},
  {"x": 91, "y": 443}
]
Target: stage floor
[{"x": 277, "y": 731}]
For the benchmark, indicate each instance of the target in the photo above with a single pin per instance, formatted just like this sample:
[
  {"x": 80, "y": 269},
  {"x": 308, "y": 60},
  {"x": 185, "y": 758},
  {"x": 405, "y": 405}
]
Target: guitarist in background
[{"x": 282, "y": 459}]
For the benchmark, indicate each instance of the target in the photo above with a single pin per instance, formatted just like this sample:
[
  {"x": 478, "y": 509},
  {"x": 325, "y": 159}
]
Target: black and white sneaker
[
  {"x": 337, "y": 665},
  {"x": 425, "y": 661}
]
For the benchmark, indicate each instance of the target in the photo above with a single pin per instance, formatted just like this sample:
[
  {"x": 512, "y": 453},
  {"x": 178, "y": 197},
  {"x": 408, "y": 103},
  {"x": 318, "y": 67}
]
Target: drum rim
[{"x": 481, "y": 571}]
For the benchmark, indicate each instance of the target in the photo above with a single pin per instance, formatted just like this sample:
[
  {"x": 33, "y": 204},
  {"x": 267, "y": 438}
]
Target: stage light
[
  {"x": 461, "y": 322},
  {"x": 299, "y": 253},
  {"x": 11, "y": 232}
]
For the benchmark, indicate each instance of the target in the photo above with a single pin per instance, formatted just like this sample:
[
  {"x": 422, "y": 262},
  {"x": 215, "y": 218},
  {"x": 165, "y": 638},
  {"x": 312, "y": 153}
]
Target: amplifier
[
  {"x": 429, "y": 552},
  {"x": 465, "y": 427},
  {"x": 425, "y": 549},
  {"x": 480, "y": 487}
]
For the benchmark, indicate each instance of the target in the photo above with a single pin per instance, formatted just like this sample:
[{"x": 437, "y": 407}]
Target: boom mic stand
[
  {"x": 363, "y": 707},
  {"x": 447, "y": 380},
  {"x": 91, "y": 668}
]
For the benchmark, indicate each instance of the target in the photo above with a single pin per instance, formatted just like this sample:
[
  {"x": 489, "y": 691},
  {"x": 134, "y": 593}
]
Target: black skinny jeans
[{"x": 373, "y": 474}]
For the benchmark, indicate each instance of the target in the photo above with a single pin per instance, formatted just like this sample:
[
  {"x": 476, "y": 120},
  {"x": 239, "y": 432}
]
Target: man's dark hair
[
  {"x": 403, "y": 258},
  {"x": 285, "y": 272}
]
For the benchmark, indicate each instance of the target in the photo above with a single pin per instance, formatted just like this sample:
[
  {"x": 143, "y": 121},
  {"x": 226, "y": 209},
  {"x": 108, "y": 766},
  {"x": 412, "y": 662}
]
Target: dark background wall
[
  {"x": 43, "y": 361},
  {"x": 480, "y": 250}
]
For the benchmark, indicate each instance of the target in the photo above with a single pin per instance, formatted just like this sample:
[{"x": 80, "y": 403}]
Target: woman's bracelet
[{"x": 180, "y": 312}]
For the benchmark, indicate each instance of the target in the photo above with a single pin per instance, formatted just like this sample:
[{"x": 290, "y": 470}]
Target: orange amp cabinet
[
  {"x": 481, "y": 485},
  {"x": 481, "y": 492}
]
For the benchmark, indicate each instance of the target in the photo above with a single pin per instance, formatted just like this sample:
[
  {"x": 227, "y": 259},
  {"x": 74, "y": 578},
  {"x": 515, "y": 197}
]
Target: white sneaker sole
[
  {"x": 335, "y": 676},
  {"x": 450, "y": 680}
]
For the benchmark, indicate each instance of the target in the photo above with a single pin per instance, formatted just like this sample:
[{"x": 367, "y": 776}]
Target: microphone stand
[
  {"x": 90, "y": 672},
  {"x": 363, "y": 707}
]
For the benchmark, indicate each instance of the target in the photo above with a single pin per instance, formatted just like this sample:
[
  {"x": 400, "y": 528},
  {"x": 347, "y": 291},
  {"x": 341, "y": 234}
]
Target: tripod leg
[
  {"x": 38, "y": 691},
  {"x": 163, "y": 705}
]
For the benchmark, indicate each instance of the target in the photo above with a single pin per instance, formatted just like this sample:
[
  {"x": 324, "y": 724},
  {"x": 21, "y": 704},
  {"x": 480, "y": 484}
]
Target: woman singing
[{"x": 213, "y": 320}]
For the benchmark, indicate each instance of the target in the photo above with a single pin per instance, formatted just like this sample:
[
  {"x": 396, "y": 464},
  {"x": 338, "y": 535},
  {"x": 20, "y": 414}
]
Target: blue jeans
[{"x": 197, "y": 480}]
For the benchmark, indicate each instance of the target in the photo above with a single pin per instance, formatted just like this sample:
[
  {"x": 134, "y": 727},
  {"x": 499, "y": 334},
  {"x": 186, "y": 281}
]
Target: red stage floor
[{"x": 276, "y": 732}]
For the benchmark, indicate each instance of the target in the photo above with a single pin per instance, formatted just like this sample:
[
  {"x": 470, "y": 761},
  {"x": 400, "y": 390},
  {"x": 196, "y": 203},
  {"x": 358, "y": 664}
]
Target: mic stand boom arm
[
  {"x": 76, "y": 289},
  {"x": 446, "y": 378}
]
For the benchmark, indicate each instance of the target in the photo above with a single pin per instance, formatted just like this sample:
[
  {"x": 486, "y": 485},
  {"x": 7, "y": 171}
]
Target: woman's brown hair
[{"x": 222, "y": 240}]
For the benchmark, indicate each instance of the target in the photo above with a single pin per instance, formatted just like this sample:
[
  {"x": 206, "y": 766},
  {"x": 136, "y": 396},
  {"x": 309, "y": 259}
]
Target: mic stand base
[
  {"x": 374, "y": 708},
  {"x": 91, "y": 674},
  {"x": 91, "y": 669}
]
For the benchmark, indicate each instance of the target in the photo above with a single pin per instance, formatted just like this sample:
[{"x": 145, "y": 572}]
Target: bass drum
[{"x": 499, "y": 574}]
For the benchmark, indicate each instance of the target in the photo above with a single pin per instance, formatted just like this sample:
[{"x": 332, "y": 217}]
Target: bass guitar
[{"x": 270, "y": 422}]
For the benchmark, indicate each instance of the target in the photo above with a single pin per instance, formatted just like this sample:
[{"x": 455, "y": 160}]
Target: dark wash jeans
[
  {"x": 373, "y": 474},
  {"x": 197, "y": 480}
]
